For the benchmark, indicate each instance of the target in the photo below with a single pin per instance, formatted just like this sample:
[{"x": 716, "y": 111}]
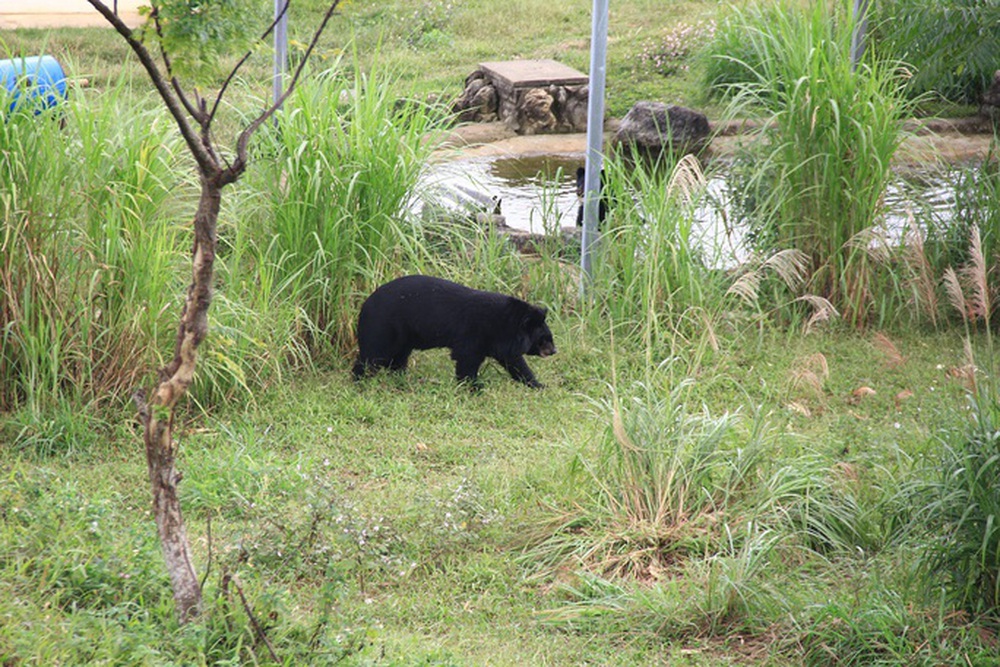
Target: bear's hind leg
[
  {"x": 379, "y": 349},
  {"x": 399, "y": 361},
  {"x": 366, "y": 366}
]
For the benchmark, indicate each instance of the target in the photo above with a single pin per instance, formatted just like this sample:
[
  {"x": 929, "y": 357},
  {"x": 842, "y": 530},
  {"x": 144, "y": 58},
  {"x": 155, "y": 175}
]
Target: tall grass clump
[
  {"x": 873, "y": 622},
  {"x": 340, "y": 170},
  {"x": 88, "y": 251},
  {"x": 964, "y": 512},
  {"x": 34, "y": 302},
  {"x": 662, "y": 479},
  {"x": 948, "y": 46},
  {"x": 730, "y": 59},
  {"x": 961, "y": 508},
  {"x": 132, "y": 229},
  {"x": 650, "y": 270},
  {"x": 732, "y": 590},
  {"x": 841, "y": 509},
  {"x": 831, "y": 131},
  {"x": 977, "y": 206},
  {"x": 663, "y": 534}
]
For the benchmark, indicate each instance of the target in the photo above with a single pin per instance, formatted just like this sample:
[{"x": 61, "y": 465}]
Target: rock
[
  {"x": 534, "y": 112},
  {"x": 484, "y": 104},
  {"x": 530, "y": 97},
  {"x": 655, "y": 127},
  {"x": 575, "y": 109},
  {"x": 478, "y": 102},
  {"x": 491, "y": 220},
  {"x": 531, "y": 243},
  {"x": 991, "y": 100}
]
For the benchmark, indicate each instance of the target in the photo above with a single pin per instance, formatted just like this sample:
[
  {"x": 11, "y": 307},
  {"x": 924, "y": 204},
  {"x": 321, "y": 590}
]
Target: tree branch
[
  {"x": 246, "y": 56},
  {"x": 258, "y": 628},
  {"x": 155, "y": 15},
  {"x": 204, "y": 159},
  {"x": 233, "y": 172},
  {"x": 158, "y": 411},
  {"x": 208, "y": 565}
]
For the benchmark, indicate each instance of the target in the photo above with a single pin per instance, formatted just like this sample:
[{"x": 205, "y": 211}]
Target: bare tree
[{"x": 194, "y": 117}]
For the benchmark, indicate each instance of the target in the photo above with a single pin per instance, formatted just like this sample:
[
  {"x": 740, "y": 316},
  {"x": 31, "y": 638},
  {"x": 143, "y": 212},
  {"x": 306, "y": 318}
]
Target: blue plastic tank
[{"x": 41, "y": 78}]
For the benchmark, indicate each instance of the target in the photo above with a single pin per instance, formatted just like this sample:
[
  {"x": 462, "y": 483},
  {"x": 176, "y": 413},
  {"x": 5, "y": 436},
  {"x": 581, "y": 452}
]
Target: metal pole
[
  {"x": 595, "y": 140},
  {"x": 280, "y": 47},
  {"x": 859, "y": 34}
]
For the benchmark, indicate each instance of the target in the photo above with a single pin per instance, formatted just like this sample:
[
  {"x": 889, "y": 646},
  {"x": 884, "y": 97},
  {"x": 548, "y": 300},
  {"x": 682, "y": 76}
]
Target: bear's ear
[{"x": 535, "y": 314}]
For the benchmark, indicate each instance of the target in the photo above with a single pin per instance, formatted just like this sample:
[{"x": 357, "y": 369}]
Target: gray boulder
[{"x": 656, "y": 127}]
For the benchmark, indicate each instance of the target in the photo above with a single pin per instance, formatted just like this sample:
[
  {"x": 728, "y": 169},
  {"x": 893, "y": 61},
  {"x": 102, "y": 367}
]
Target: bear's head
[{"x": 537, "y": 333}]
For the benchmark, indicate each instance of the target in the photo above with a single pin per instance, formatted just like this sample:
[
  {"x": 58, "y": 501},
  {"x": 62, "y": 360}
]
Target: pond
[{"x": 537, "y": 192}]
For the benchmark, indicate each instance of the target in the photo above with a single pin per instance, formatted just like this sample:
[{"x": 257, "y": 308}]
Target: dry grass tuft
[
  {"x": 884, "y": 345},
  {"x": 956, "y": 297},
  {"x": 873, "y": 242},
  {"x": 975, "y": 276},
  {"x": 809, "y": 374},
  {"x": 968, "y": 289},
  {"x": 915, "y": 257},
  {"x": 789, "y": 265},
  {"x": 823, "y": 310},
  {"x": 687, "y": 179}
]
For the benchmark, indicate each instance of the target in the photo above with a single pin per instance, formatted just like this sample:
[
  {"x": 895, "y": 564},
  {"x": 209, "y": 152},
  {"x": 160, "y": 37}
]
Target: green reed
[
  {"x": 653, "y": 276},
  {"x": 87, "y": 252},
  {"x": 831, "y": 129},
  {"x": 337, "y": 175}
]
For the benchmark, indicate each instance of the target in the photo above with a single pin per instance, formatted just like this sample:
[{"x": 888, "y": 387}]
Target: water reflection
[{"x": 538, "y": 192}]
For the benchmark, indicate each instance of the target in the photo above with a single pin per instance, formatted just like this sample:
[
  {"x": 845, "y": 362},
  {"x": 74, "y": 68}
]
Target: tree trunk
[{"x": 158, "y": 417}]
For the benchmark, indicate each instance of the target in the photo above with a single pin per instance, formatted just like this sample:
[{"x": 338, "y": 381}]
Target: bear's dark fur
[{"x": 423, "y": 312}]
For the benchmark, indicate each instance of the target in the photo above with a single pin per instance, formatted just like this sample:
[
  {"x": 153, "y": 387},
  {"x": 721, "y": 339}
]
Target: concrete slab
[
  {"x": 512, "y": 74},
  {"x": 65, "y": 13}
]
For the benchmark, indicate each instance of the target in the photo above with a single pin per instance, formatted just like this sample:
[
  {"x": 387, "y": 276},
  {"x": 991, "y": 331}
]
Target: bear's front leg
[
  {"x": 467, "y": 367},
  {"x": 518, "y": 369}
]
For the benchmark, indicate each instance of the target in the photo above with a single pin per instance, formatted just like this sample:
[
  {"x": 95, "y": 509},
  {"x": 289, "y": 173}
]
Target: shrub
[{"x": 949, "y": 45}]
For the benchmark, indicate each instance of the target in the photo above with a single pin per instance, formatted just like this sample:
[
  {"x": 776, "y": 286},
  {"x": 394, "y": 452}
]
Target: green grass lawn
[
  {"x": 391, "y": 517},
  {"x": 701, "y": 482},
  {"x": 432, "y": 45}
]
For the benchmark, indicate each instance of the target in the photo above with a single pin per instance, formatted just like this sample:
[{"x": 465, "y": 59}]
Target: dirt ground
[
  {"x": 64, "y": 13},
  {"x": 948, "y": 141}
]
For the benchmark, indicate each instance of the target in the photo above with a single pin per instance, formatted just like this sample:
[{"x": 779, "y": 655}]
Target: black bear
[
  {"x": 602, "y": 209},
  {"x": 423, "y": 312}
]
